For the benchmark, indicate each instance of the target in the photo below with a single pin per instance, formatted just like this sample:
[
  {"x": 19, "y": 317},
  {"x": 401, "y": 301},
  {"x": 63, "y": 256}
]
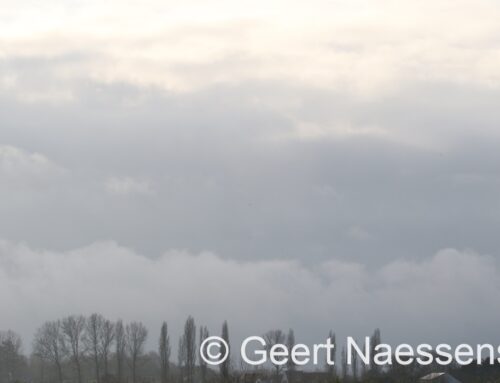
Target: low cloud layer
[{"x": 448, "y": 297}]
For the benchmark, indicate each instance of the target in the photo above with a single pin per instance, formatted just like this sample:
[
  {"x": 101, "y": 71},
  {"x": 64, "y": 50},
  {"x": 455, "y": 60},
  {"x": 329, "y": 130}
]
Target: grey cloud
[{"x": 230, "y": 176}]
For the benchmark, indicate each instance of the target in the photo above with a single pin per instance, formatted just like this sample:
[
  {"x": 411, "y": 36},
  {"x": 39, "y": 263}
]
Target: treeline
[{"x": 94, "y": 349}]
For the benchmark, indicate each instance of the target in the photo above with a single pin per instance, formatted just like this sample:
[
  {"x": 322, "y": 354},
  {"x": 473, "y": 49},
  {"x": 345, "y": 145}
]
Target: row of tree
[
  {"x": 12, "y": 362},
  {"x": 77, "y": 340},
  {"x": 78, "y": 348},
  {"x": 355, "y": 372},
  {"x": 81, "y": 349}
]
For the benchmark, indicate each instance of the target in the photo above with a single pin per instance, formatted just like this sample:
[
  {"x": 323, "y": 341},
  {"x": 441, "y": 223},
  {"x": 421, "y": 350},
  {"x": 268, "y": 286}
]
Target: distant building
[{"x": 439, "y": 377}]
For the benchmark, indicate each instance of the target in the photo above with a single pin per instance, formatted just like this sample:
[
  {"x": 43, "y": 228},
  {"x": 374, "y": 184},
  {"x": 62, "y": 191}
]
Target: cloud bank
[{"x": 448, "y": 297}]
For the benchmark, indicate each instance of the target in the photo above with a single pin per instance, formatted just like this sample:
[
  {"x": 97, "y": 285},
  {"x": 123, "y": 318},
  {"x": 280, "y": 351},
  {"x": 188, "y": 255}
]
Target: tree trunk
[
  {"x": 59, "y": 373},
  {"x": 79, "y": 372},
  {"x": 96, "y": 361}
]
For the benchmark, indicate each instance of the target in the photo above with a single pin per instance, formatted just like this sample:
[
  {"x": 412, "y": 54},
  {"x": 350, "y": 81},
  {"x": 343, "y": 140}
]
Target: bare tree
[
  {"x": 374, "y": 342},
  {"x": 354, "y": 366},
  {"x": 164, "y": 348},
  {"x": 224, "y": 366},
  {"x": 106, "y": 340},
  {"x": 98, "y": 339},
  {"x": 203, "y": 365},
  {"x": 273, "y": 338},
  {"x": 136, "y": 334},
  {"x": 73, "y": 330},
  {"x": 48, "y": 344},
  {"x": 11, "y": 360},
  {"x": 120, "y": 343},
  {"x": 38, "y": 367},
  {"x": 290, "y": 343},
  {"x": 181, "y": 358},
  {"x": 190, "y": 345},
  {"x": 330, "y": 368},
  {"x": 364, "y": 368},
  {"x": 344, "y": 364},
  {"x": 93, "y": 330}
]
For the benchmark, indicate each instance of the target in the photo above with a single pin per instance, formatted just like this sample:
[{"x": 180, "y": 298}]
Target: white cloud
[
  {"x": 359, "y": 233},
  {"x": 361, "y": 47},
  {"x": 21, "y": 168},
  {"x": 128, "y": 186},
  {"x": 429, "y": 300}
]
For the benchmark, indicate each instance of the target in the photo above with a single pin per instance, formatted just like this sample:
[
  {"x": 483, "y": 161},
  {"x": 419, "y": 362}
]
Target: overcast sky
[{"x": 316, "y": 165}]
